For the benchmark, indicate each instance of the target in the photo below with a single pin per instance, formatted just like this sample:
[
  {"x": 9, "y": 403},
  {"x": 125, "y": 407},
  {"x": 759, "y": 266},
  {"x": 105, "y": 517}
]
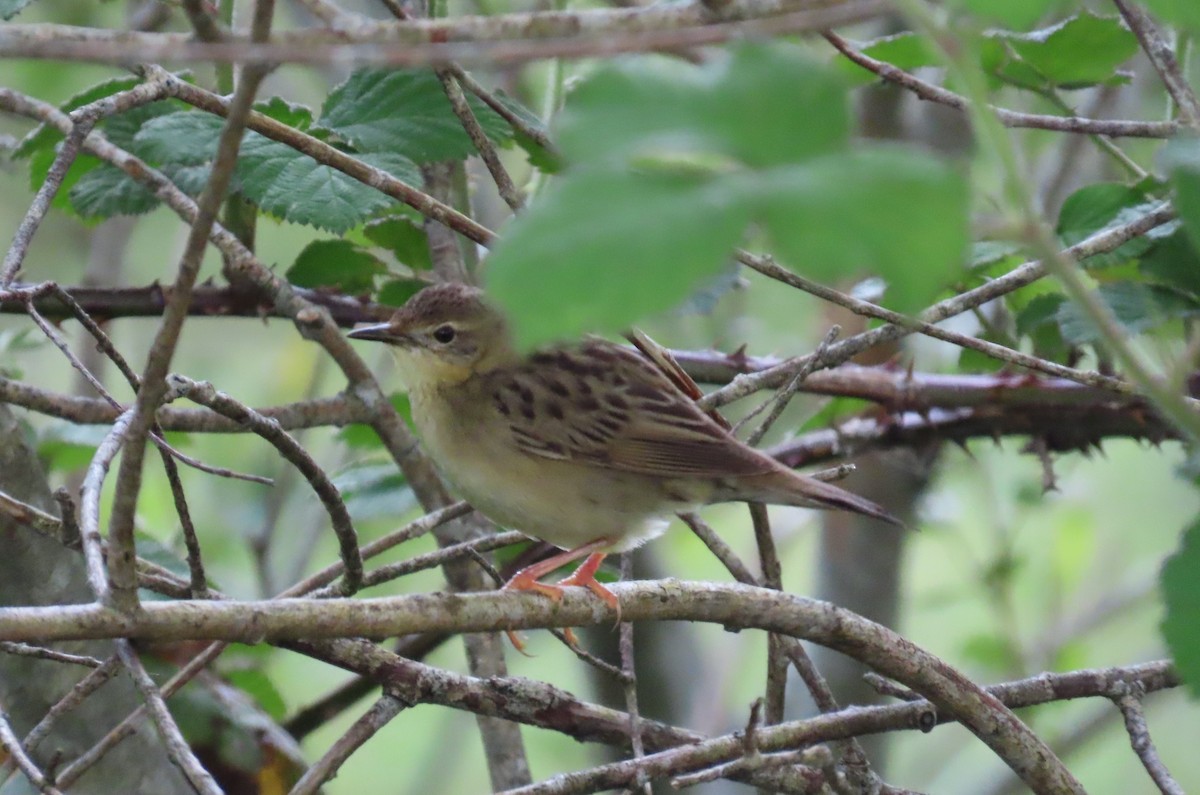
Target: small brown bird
[{"x": 589, "y": 447}]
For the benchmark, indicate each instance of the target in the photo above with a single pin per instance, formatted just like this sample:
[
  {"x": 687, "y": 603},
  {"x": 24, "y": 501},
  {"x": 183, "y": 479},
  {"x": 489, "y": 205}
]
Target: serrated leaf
[
  {"x": 106, "y": 191},
  {"x": 1040, "y": 310},
  {"x": 1137, "y": 307},
  {"x": 1095, "y": 208},
  {"x": 187, "y": 138},
  {"x": 405, "y": 111},
  {"x": 289, "y": 113},
  {"x": 1180, "y": 583},
  {"x": 892, "y": 211},
  {"x": 296, "y": 188},
  {"x": 45, "y": 136},
  {"x": 1081, "y": 51},
  {"x": 404, "y": 238},
  {"x": 336, "y": 264}
]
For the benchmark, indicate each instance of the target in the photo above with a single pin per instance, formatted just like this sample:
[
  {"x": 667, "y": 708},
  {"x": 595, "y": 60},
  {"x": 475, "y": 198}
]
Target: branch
[
  {"x": 728, "y": 605},
  {"x": 499, "y": 39},
  {"x": 1009, "y": 118},
  {"x": 1158, "y": 50}
]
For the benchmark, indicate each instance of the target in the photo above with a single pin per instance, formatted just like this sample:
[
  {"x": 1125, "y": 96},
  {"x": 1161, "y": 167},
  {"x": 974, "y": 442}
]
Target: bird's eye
[{"x": 444, "y": 334}]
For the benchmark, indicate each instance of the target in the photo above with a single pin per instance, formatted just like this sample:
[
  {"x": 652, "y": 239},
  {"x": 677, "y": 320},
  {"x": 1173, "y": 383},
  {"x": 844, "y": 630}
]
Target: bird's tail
[{"x": 782, "y": 486}]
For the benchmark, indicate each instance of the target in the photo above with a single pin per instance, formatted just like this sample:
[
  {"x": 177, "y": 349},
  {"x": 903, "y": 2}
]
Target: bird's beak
[{"x": 379, "y": 332}]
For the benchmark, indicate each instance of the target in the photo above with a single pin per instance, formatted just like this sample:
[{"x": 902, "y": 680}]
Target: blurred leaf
[
  {"x": 1081, "y": 51},
  {"x": 363, "y": 436},
  {"x": 1074, "y": 547},
  {"x": 891, "y": 211},
  {"x": 1180, "y": 581},
  {"x": 1098, "y": 207},
  {"x": 65, "y": 446},
  {"x": 1174, "y": 262},
  {"x": 155, "y": 551},
  {"x": 1181, "y": 160},
  {"x": 1185, "y": 13},
  {"x": 991, "y": 651},
  {"x": 1038, "y": 320},
  {"x": 338, "y": 264},
  {"x": 374, "y": 491},
  {"x": 986, "y": 253},
  {"x": 907, "y": 51},
  {"x": 759, "y": 136},
  {"x": 834, "y": 410},
  {"x": 403, "y": 237},
  {"x": 259, "y": 687},
  {"x": 1138, "y": 307},
  {"x": 397, "y": 291},
  {"x": 763, "y": 105},
  {"x": 10, "y": 8},
  {"x": 561, "y": 270},
  {"x": 405, "y": 112},
  {"x": 1015, "y": 14}
]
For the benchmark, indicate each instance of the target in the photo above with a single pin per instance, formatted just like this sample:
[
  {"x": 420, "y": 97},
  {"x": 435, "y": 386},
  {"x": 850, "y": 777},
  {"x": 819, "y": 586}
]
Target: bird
[{"x": 588, "y": 446}]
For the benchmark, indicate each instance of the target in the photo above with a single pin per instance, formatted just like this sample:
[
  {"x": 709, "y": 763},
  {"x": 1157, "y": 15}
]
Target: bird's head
[{"x": 443, "y": 335}]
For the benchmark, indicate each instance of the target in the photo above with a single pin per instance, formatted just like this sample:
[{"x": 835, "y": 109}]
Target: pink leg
[{"x": 527, "y": 579}]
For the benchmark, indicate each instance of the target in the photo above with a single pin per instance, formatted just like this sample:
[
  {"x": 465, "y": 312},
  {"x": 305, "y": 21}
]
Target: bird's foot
[{"x": 585, "y": 576}]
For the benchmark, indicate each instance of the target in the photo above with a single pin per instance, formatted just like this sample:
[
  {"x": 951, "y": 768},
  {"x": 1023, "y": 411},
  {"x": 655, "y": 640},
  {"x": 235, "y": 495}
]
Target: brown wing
[{"x": 602, "y": 404}]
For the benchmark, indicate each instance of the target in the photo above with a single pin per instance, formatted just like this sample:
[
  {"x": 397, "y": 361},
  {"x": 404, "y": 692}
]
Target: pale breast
[{"x": 563, "y": 502}]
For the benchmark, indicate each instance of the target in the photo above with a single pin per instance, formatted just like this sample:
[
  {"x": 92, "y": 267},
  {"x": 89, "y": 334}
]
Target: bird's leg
[{"x": 527, "y": 579}]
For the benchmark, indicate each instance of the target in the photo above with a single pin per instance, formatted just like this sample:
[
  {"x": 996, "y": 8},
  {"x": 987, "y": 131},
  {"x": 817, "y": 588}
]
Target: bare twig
[
  {"x": 1128, "y": 698},
  {"x": 483, "y": 145},
  {"x": 366, "y": 727},
  {"x": 1009, "y": 118},
  {"x": 1161, "y": 56},
  {"x": 42, "y": 653},
  {"x": 12, "y": 747}
]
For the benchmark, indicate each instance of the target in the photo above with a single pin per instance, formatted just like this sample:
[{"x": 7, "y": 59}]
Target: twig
[
  {"x": 535, "y": 133},
  {"x": 363, "y": 729},
  {"x": 483, "y": 145},
  {"x": 74, "y": 697},
  {"x": 781, "y": 398},
  {"x": 41, "y": 653},
  {"x": 1128, "y": 698},
  {"x": 205, "y": 394},
  {"x": 1161, "y": 56},
  {"x": 1009, "y": 118},
  {"x": 168, "y": 731},
  {"x": 501, "y": 39},
  {"x": 630, "y": 683},
  {"x": 432, "y": 560},
  {"x": 12, "y": 747},
  {"x": 1015, "y": 279}
]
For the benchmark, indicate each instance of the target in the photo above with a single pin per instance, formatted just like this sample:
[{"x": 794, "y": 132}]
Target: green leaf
[
  {"x": 1077, "y": 52},
  {"x": 1137, "y": 307},
  {"x": 10, "y": 8},
  {"x": 360, "y": 436},
  {"x": 895, "y": 212},
  {"x": 289, "y": 113},
  {"x": 336, "y": 264},
  {"x": 45, "y": 136},
  {"x": 603, "y": 249},
  {"x": 186, "y": 137},
  {"x": 761, "y": 106},
  {"x": 405, "y": 111},
  {"x": 66, "y": 447},
  {"x": 260, "y": 687},
  {"x": 1173, "y": 261},
  {"x": 40, "y": 163},
  {"x": 106, "y": 191},
  {"x": 1017, "y": 14},
  {"x": 374, "y": 491},
  {"x": 1101, "y": 206},
  {"x": 1185, "y": 13},
  {"x": 1181, "y": 160},
  {"x": 296, "y": 188},
  {"x": 404, "y": 238},
  {"x": 398, "y": 291},
  {"x": 1180, "y": 582}
]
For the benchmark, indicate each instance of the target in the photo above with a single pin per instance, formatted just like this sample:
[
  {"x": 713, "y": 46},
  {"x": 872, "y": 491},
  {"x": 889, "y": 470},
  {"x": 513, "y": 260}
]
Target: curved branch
[{"x": 733, "y": 606}]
